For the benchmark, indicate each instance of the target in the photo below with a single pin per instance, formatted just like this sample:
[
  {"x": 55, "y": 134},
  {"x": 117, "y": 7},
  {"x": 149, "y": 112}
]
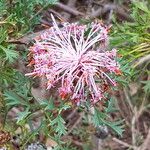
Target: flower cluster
[{"x": 76, "y": 56}]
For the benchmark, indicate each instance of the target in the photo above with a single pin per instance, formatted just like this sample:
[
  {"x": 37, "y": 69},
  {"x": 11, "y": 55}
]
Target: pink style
[{"x": 76, "y": 56}]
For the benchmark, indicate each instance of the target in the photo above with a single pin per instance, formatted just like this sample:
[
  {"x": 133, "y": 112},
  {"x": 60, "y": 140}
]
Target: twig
[
  {"x": 73, "y": 141},
  {"x": 133, "y": 130},
  {"x": 71, "y": 114},
  {"x": 108, "y": 7},
  {"x": 146, "y": 144},
  {"x": 27, "y": 38},
  {"x": 77, "y": 143},
  {"x": 142, "y": 60},
  {"x": 47, "y": 23},
  {"x": 102, "y": 10},
  {"x": 38, "y": 12},
  {"x": 97, "y": 143},
  {"x": 99, "y": 3},
  {"x": 126, "y": 110},
  {"x": 76, "y": 123},
  {"x": 57, "y": 14},
  {"x": 124, "y": 143},
  {"x": 71, "y": 4},
  {"x": 127, "y": 96},
  {"x": 110, "y": 16},
  {"x": 142, "y": 107},
  {"x": 89, "y": 7},
  {"x": 68, "y": 9}
]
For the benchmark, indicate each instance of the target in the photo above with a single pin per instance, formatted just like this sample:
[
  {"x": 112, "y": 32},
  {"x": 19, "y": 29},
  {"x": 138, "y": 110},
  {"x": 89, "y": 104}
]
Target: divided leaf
[
  {"x": 23, "y": 115},
  {"x": 59, "y": 122},
  {"x": 100, "y": 119}
]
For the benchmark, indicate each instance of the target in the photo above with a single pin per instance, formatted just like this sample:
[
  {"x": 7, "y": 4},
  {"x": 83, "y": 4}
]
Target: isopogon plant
[{"x": 75, "y": 55}]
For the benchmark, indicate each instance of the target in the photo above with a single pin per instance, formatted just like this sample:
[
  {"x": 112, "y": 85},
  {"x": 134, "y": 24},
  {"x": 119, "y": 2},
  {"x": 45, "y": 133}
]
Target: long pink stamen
[{"x": 72, "y": 55}]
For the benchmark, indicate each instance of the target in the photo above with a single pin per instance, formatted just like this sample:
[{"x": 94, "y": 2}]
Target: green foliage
[
  {"x": 10, "y": 53},
  {"x": 20, "y": 95},
  {"x": 3, "y": 7},
  {"x": 59, "y": 126},
  {"x": 48, "y": 105},
  {"x": 110, "y": 106},
  {"x": 132, "y": 38},
  {"x": 23, "y": 115},
  {"x": 7, "y": 74},
  {"x": 18, "y": 18},
  {"x": 146, "y": 86},
  {"x": 13, "y": 99},
  {"x": 100, "y": 119},
  {"x": 133, "y": 42},
  {"x": 22, "y": 13}
]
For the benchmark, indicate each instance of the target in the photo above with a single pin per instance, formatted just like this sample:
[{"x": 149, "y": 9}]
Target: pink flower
[{"x": 75, "y": 55}]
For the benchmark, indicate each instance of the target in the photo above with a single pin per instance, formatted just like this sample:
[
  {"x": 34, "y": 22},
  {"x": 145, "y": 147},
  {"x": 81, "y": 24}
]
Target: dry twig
[
  {"x": 68, "y": 9},
  {"x": 142, "y": 60},
  {"x": 124, "y": 143},
  {"x": 71, "y": 4},
  {"x": 146, "y": 144},
  {"x": 76, "y": 123},
  {"x": 107, "y": 8}
]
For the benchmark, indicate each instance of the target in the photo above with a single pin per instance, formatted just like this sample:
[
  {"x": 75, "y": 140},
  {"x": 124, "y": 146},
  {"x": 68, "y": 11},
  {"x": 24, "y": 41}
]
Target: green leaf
[
  {"x": 23, "y": 115},
  {"x": 142, "y": 6},
  {"x": 13, "y": 99},
  {"x": 147, "y": 86},
  {"x": 64, "y": 107},
  {"x": 99, "y": 119},
  {"x": 3, "y": 33},
  {"x": 110, "y": 106},
  {"x": 11, "y": 54},
  {"x": 49, "y": 105},
  {"x": 58, "y": 123},
  {"x": 117, "y": 126}
]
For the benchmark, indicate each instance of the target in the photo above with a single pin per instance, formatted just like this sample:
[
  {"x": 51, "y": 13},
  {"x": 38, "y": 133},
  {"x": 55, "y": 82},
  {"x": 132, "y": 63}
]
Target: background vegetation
[{"x": 31, "y": 117}]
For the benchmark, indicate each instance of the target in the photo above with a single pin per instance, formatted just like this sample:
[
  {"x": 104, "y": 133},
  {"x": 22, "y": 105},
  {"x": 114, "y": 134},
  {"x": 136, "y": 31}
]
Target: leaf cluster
[
  {"x": 133, "y": 38},
  {"x": 133, "y": 42},
  {"x": 102, "y": 118}
]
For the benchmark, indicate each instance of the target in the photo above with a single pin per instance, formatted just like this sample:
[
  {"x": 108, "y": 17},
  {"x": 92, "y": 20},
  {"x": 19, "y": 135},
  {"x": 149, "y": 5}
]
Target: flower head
[{"x": 76, "y": 56}]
